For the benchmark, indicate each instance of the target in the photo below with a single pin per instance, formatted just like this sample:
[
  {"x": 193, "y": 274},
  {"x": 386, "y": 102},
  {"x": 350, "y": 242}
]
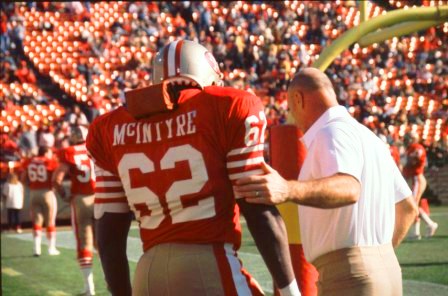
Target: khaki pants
[
  {"x": 43, "y": 205},
  {"x": 359, "y": 271},
  {"x": 192, "y": 269},
  {"x": 82, "y": 222}
]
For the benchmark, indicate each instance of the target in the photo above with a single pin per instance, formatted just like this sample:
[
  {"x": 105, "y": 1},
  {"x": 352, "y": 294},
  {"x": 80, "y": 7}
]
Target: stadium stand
[{"x": 94, "y": 51}]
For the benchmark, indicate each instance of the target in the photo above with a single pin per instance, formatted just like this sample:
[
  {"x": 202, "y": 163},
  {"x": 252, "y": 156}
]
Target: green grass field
[{"x": 424, "y": 264}]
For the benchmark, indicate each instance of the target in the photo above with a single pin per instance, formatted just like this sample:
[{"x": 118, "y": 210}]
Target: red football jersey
[
  {"x": 395, "y": 153},
  {"x": 81, "y": 172},
  {"x": 175, "y": 170},
  {"x": 416, "y": 159},
  {"x": 39, "y": 171}
]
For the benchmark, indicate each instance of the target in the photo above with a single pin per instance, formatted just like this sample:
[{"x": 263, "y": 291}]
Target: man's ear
[
  {"x": 295, "y": 94},
  {"x": 300, "y": 98}
]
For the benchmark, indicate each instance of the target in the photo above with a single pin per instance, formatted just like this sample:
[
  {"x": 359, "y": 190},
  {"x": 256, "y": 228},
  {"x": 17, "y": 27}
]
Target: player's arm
[
  {"x": 245, "y": 158},
  {"x": 24, "y": 177},
  {"x": 419, "y": 187},
  {"x": 112, "y": 222},
  {"x": 111, "y": 211},
  {"x": 269, "y": 232},
  {"x": 58, "y": 178},
  {"x": 111, "y": 232}
]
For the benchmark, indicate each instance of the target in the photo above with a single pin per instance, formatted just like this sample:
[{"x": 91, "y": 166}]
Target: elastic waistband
[{"x": 336, "y": 255}]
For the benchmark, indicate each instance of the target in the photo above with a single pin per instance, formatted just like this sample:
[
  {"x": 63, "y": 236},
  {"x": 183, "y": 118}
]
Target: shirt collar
[{"x": 331, "y": 113}]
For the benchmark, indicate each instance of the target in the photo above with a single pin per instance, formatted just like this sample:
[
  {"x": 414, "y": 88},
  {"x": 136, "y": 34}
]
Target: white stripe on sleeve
[
  {"x": 243, "y": 163},
  {"x": 99, "y": 172},
  {"x": 245, "y": 174},
  {"x": 259, "y": 147}
]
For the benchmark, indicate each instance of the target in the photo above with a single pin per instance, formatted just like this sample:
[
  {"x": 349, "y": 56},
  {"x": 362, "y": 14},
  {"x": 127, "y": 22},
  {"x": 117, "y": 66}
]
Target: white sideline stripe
[
  {"x": 438, "y": 214},
  {"x": 11, "y": 272},
  {"x": 427, "y": 284},
  {"x": 65, "y": 239},
  {"x": 57, "y": 293}
]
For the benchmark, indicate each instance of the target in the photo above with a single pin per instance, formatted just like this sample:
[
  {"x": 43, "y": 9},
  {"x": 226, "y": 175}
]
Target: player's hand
[
  {"x": 269, "y": 188},
  {"x": 63, "y": 196},
  {"x": 62, "y": 193}
]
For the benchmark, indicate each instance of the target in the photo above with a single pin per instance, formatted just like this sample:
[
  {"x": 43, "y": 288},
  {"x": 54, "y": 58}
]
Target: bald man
[{"x": 355, "y": 204}]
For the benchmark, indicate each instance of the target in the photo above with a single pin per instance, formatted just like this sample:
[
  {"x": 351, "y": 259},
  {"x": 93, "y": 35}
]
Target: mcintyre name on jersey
[{"x": 143, "y": 133}]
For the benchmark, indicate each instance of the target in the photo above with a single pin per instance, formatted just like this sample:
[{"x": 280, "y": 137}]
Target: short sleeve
[
  {"x": 109, "y": 193},
  {"x": 53, "y": 164},
  {"x": 245, "y": 137},
  {"x": 97, "y": 145},
  {"x": 402, "y": 189},
  {"x": 338, "y": 151}
]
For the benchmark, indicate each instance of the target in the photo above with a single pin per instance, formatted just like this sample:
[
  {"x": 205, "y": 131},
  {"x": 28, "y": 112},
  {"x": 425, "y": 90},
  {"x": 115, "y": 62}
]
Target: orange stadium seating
[{"x": 60, "y": 53}]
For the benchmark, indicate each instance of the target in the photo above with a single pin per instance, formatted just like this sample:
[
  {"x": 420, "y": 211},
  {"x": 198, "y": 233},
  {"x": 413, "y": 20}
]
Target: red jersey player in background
[
  {"x": 37, "y": 174},
  {"x": 395, "y": 153},
  {"x": 75, "y": 162},
  {"x": 413, "y": 172},
  {"x": 175, "y": 171}
]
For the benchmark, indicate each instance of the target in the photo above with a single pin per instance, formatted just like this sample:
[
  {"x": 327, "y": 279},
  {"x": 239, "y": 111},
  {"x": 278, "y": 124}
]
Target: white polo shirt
[{"x": 337, "y": 143}]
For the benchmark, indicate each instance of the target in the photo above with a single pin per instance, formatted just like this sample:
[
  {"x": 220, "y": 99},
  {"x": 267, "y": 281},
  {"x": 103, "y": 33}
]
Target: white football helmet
[{"x": 186, "y": 62}]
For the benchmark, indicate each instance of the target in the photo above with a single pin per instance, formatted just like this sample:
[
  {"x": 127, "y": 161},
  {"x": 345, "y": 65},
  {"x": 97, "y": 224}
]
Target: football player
[
  {"x": 174, "y": 170},
  {"x": 413, "y": 171},
  {"x": 37, "y": 174},
  {"x": 75, "y": 162}
]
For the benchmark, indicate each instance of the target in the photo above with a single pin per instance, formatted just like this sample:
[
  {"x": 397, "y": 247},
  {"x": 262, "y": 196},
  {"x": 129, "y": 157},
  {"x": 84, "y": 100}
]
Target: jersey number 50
[{"x": 84, "y": 165}]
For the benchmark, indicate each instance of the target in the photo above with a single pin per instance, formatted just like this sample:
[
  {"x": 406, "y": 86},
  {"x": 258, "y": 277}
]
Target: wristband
[{"x": 290, "y": 290}]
